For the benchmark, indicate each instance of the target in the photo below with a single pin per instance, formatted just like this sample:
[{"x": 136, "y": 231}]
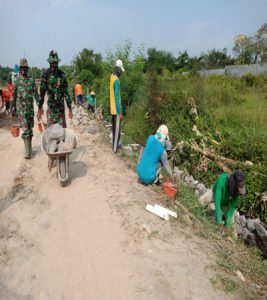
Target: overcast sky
[{"x": 32, "y": 28}]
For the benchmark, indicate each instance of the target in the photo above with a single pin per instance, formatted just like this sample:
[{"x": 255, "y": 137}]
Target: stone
[
  {"x": 189, "y": 179},
  {"x": 251, "y": 240},
  {"x": 84, "y": 121},
  {"x": 212, "y": 206},
  {"x": 251, "y": 223},
  {"x": 240, "y": 276},
  {"x": 74, "y": 122},
  {"x": 248, "y": 237},
  {"x": 245, "y": 233},
  {"x": 196, "y": 192},
  {"x": 243, "y": 221},
  {"x": 261, "y": 231},
  {"x": 82, "y": 130},
  {"x": 135, "y": 147},
  {"x": 201, "y": 188},
  {"x": 179, "y": 174},
  {"x": 128, "y": 150},
  {"x": 239, "y": 228},
  {"x": 92, "y": 128},
  {"x": 70, "y": 142}
]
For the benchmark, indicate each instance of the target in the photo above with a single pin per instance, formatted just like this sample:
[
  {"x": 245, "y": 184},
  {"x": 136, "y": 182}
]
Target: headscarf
[
  {"x": 162, "y": 134},
  {"x": 236, "y": 183}
]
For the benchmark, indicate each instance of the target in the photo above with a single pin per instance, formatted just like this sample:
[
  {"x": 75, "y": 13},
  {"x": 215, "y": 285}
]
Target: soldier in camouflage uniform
[
  {"x": 55, "y": 84},
  {"x": 24, "y": 91}
]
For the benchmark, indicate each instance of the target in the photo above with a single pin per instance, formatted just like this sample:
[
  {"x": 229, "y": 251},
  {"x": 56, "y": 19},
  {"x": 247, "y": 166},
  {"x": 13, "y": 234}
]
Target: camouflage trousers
[
  {"x": 57, "y": 116},
  {"x": 26, "y": 123}
]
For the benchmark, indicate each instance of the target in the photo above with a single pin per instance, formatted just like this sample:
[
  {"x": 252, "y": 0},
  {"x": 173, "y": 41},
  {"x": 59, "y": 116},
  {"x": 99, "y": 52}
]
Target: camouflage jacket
[
  {"x": 24, "y": 91},
  {"x": 56, "y": 86}
]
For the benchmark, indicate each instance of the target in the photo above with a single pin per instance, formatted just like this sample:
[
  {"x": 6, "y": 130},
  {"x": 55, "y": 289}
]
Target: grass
[
  {"x": 231, "y": 257},
  {"x": 252, "y": 111}
]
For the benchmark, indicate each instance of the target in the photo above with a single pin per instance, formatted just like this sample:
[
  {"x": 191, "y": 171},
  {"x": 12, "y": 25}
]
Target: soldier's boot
[{"x": 28, "y": 148}]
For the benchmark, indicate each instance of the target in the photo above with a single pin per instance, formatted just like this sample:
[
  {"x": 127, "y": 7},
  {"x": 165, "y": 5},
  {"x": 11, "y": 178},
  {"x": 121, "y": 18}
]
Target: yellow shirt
[{"x": 115, "y": 101}]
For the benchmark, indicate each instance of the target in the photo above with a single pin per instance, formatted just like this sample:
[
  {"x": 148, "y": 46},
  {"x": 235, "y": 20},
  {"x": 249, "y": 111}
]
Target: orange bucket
[
  {"x": 170, "y": 189},
  {"x": 14, "y": 129}
]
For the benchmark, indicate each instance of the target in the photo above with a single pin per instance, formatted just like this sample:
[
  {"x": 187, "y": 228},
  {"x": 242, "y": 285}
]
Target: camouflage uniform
[
  {"x": 23, "y": 93},
  {"x": 56, "y": 86}
]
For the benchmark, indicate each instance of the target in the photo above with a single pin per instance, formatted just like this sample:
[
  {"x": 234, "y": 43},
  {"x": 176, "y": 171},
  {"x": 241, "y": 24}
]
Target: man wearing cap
[
  {"x": 115, "y": 104},
  {"x": 24, "y": 91},
  {"x": 225, "y": 193},
  {"x": 154, "y": 156},
  {"x": 54, "y": 83}
]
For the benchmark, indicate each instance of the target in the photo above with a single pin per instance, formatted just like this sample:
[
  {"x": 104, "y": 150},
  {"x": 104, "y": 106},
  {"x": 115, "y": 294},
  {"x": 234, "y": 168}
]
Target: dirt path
[{"x": 91, "y": 239}]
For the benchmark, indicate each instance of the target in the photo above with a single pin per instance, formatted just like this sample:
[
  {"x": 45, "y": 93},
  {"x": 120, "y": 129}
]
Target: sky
[{"x": 31, "y": 28}]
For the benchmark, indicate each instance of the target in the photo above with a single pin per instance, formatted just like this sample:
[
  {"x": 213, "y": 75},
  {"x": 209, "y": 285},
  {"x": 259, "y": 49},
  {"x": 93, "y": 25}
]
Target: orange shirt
[
  {"x": 5, "y": 96},
  {"x": 78, "y": 89},
  {"x": 10, "y": 89}
]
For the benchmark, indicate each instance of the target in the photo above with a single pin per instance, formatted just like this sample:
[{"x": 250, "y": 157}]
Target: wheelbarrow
[
  {"x": 60, "y": 159},
  {"x": 62, "y": 164}
]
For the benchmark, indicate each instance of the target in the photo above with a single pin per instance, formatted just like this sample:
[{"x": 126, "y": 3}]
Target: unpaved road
[{"x": 92, "y": 239}]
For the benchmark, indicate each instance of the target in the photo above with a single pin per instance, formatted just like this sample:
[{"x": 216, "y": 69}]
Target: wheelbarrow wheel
[{"x": 62, "y": 167}]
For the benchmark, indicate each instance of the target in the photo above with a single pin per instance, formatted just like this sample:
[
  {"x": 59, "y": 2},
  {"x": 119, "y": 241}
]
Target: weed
[{"x": 229, "y": 284}]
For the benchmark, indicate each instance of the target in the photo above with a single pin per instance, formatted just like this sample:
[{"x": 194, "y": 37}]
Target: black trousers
[
  {"x": 92, "y": 108},
  {"x": 116, "y": 132}
]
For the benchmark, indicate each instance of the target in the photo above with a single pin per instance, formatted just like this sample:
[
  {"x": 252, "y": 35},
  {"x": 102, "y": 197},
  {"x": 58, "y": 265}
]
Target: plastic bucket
[
  {"x": 169, "y": 189},
  {"x": 14, "y": 129}
]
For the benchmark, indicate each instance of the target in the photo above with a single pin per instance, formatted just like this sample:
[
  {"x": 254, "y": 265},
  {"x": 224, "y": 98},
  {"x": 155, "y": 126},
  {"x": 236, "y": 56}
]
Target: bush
[{"x": 252, "y": 80}]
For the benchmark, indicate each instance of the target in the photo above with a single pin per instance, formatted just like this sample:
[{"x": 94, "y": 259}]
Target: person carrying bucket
[
  {"x": 154, "y": 156},
  {"x": 24, "y": 91}
]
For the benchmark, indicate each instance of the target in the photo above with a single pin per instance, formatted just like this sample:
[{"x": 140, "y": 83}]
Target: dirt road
[{"x": 92, "y": 239}]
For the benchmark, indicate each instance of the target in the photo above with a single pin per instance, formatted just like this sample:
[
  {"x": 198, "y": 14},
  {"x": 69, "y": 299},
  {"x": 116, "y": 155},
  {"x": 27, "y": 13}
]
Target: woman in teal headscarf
[{"x": 154, "y": 156}]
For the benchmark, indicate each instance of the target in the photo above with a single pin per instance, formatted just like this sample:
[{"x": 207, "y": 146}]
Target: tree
[
  {"x": 5, "y": 73},
  {"x": 251, "y": 49},
  {"x": 86, "y": 77},
  {"x": 183, "y": 61},
  {"x": 243, "y": 49},
  {"x": 132, "y": 80},
  {"x": 68, "y": 70},
  {"x": 259, "y": 44},
  {"x": 158, "y": 60},
  {"x": 88, "y": 60},
  {"x": 35, "y": 72},
  {"x": 196, "y": 63},
  {"x": 214, "y": 59}
]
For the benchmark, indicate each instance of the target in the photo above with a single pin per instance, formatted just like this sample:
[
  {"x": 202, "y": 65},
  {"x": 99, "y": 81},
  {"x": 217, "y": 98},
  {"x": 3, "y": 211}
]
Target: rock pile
[
  {"x": 252, "y": 231},
  {"x": 82, "y": 121}
]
